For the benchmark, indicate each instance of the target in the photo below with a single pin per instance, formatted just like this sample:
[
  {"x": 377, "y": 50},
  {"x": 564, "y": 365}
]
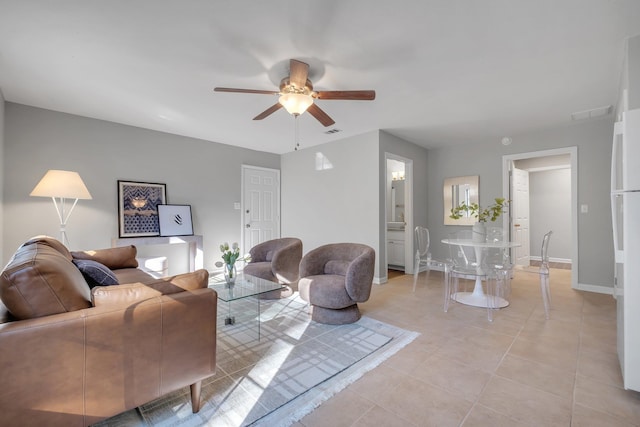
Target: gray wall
[
  {"x": 203, "y": 174},
  {"x": 633, "y": 72},
  {"x": 337, "y": 204},
  {"x": 593, "y": 139},
  {"x": 550, "y": 209},
  {"x": 2, "y": 171}
]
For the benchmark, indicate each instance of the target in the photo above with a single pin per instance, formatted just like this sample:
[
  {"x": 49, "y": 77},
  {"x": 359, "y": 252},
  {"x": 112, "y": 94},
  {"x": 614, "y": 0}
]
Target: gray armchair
[
  {"x": 334, "y": 278},
  {"x": 278, "y": 261}
]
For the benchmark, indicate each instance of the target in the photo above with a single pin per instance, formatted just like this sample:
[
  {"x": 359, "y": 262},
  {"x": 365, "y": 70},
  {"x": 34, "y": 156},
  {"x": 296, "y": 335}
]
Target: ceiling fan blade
[
  {"x": 230, "y": 89},
  {"x": 322, "y": 117},
  {"x": 275, "y": 107},
  {"x": 353, "y": 95},
  {"x": 298, "y": 73}
]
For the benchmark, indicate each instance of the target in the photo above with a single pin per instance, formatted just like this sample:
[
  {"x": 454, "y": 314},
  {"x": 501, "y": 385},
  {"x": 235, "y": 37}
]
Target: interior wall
[
  {"x": 2, "y": 171},
  {"x": 633, "y": 73},
  {"x": 206, "y": 175},
  {"x": 550, "y": 209},
  {"x": 330, "y": 195},
  {"x": 593, "y": 139}
]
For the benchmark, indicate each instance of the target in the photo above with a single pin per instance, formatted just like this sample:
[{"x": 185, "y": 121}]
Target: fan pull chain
[{"x": 296, "y": 132}]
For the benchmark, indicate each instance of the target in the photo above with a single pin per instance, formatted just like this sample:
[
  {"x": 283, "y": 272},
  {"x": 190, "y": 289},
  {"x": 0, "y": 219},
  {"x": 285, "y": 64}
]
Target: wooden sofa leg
[{"x": 195, "y": 396}]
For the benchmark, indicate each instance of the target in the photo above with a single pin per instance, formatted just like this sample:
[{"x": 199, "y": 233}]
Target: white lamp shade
[
  {"x": 295, "y": 103},
  {"x": 65, "y": 184}
]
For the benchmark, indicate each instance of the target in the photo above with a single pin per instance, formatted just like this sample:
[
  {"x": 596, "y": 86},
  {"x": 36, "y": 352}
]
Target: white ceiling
[{"x": 445, "y": 71}]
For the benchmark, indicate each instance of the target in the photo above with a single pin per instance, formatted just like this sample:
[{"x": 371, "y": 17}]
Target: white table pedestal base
[
  {"x": 477, "y": 298},
  {"x": 469, "y": 298}
]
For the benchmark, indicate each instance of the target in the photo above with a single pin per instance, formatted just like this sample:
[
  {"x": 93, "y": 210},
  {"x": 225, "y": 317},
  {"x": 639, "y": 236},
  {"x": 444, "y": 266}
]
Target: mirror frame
[{"x": 447, "y": 189}]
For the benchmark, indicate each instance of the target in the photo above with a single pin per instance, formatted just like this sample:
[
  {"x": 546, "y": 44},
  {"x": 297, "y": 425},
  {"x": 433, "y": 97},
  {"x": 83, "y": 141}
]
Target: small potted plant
[
  {"x": 230, "y": 255},
  {"x": 491, "y": 212}
]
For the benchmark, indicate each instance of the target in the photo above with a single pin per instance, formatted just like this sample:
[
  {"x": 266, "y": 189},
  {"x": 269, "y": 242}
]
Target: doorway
[
  {"x": 260, "y": 206},
  {"x": 398, "y": 213},
  {"x": 535, "y": 208}
]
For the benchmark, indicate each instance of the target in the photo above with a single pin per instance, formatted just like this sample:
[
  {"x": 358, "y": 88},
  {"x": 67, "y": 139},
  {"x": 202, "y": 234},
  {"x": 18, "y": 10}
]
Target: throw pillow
[{"x": 95, "y": 274}]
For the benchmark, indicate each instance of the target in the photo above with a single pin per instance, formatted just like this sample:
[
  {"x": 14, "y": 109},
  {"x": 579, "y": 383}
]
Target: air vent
[
  {"x": 589, "y": 114},
  {"x": 334, "y": 130}
]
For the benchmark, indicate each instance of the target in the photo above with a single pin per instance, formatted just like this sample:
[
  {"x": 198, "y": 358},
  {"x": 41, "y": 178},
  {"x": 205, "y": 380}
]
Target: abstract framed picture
[
  {"x": 175, "y": 220},
  {"x": 138, "y": 208}
]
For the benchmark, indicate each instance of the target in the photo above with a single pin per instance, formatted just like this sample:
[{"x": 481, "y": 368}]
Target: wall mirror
[{"x": 458, "y": 190}]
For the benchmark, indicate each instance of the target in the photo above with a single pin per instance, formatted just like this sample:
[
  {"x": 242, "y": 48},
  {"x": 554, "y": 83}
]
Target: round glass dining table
[{"x": 478, "y": 298}]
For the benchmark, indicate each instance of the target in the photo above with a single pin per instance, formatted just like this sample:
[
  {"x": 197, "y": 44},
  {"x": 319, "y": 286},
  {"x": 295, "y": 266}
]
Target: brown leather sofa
[{"x": 72, "y": 356}]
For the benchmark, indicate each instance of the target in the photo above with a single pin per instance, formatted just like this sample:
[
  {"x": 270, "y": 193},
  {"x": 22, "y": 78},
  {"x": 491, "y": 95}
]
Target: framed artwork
[
  {"x": 175, "y": 220},
  {"x": 138, "y": 208}
]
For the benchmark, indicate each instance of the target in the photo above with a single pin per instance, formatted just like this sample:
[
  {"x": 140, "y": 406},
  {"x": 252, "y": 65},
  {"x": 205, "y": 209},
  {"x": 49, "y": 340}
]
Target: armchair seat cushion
[
  {"x": 326, "y": 290},
  {"x": 260, "y": 269}
]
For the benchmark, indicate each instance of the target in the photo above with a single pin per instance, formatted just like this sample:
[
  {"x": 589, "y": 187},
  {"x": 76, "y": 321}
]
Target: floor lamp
[{"x": 60, "y": 186}]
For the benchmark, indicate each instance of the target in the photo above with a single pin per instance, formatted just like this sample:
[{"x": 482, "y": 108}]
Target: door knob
[{"x": 247, "y": 225}]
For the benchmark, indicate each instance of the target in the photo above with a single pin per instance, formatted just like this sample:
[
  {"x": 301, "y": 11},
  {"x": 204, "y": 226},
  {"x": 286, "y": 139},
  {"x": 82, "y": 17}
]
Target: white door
[
  {"x": 260, "y": 205},
  {"x": 520, "y": 215}
]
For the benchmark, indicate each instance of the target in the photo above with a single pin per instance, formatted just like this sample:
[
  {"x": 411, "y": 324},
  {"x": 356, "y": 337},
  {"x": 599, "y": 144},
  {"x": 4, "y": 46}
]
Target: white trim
[
  {"x": 551, "y": 259},
  {"x": 573, "y": 155},
  {"x": 600, "y": 289},
  {"x": 380, "y": 280}
]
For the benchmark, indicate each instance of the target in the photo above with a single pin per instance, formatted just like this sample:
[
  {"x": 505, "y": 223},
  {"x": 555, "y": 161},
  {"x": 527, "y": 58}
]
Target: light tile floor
[{"x": 520, "y": 370}]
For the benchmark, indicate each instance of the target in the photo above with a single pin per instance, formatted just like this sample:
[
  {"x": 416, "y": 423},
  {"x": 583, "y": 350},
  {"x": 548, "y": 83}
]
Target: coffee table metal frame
[{"x": 245, "y": 286}]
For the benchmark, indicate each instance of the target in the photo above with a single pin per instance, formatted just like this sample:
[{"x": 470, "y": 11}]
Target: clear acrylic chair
[
  {"x": 499, "y": 270},
  {"x": 423, "y": 256},
  {"x": 543, "y": 272},
  {"x": 463, "y": 263}
]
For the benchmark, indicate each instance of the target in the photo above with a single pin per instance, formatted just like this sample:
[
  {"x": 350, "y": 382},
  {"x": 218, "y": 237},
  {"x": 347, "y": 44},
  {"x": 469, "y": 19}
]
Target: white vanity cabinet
[{"x": 395, "y": 248}]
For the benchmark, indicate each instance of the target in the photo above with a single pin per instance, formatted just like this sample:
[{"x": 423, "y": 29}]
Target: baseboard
[
  {"x": 377, "y": 280},
  {"x": 551, "y": 259},
  {"x": 599, "y": 289}
]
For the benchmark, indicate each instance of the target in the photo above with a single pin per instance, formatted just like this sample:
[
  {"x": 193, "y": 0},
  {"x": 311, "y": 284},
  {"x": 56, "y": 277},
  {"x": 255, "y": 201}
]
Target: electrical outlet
[
  {"x": 236, "y": 205},
  {"x": 584, "y": 208}
]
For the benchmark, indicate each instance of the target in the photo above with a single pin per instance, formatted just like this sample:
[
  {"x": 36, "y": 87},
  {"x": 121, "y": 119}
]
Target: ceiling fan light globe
[{"x": 295, "y": 103}]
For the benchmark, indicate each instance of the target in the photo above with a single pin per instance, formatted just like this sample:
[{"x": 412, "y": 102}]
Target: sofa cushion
[
  {"x": 40, "y": 280},
  {"x": 94, "y": 273},
  {"x": 113, "y": 258},
  {"x": 126, "y": 294},
  {"x": 198, "y": 279},
  {"x": 133, "y": 292}
]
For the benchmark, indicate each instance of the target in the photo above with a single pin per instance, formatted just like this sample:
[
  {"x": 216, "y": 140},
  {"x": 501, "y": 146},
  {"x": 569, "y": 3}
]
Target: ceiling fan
[{"x": 296, "y": 95}]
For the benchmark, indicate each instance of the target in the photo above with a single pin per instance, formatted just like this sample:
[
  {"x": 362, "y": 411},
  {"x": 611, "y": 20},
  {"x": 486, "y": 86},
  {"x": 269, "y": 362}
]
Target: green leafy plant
[{"x": 491, "y": 212}]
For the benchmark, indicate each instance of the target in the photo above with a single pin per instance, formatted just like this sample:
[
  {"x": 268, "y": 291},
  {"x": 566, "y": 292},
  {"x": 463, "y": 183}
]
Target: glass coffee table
[{"x": 245, "y": 286}]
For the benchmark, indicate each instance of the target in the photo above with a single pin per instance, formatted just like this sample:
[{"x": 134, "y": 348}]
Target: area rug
[{"x": 274, "y": 381}]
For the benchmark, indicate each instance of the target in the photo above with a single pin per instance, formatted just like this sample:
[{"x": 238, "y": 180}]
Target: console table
[{"x": 196, "y": 255}]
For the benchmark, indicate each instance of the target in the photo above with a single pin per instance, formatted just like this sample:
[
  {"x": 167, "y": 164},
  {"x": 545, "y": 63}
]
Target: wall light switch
[
  {"x": 584, "y": 208},
  {"x": 236, "y": 205}
]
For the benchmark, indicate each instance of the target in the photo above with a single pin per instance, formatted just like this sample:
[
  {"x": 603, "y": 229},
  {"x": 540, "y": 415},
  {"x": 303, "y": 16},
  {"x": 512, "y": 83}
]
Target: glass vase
[{"x": 230, "y": 274}]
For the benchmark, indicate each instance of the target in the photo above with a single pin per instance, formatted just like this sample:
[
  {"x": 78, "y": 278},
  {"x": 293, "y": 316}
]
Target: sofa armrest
[{"x": 79, "y": 367}]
